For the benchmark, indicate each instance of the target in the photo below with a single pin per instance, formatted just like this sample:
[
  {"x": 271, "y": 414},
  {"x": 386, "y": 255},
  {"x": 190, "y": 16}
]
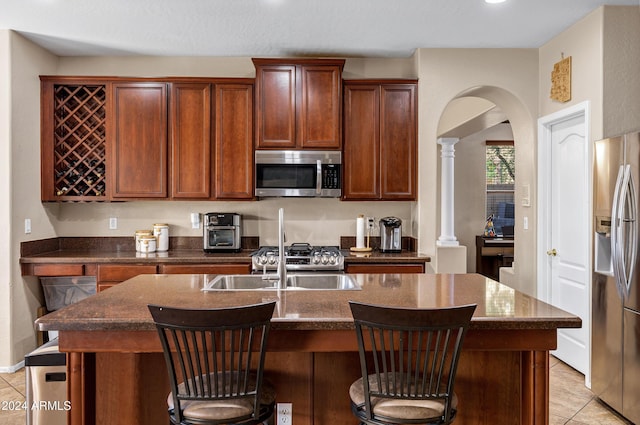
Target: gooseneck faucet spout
[{"x": 282, "y": 267}]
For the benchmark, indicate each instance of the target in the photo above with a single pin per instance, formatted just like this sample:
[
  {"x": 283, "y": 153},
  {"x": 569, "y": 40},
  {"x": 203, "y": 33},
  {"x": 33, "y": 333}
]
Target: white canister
[
  {"x": 139, "y": 234},
  {"x": 161, "y": 232},
  {"x": 147, "y": 244}
]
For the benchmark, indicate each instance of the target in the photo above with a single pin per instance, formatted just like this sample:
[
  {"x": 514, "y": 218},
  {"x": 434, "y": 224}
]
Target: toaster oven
[{"x": 221, "y": 232}]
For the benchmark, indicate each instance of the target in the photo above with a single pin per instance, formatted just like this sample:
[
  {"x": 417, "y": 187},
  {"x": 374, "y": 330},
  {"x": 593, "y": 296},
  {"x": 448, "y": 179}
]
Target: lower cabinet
[
  {"x": 205, "y": 268},
  {"x": 111, "y": 274},
  {"x": 385, "y": 268}
]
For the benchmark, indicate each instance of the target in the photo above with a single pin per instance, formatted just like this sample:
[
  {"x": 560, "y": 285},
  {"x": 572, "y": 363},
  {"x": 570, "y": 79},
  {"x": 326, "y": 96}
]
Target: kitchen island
[{"x": 117, "y": 374}]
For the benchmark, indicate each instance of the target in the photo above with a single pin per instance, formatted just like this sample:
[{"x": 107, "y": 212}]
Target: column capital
[{"x": 448, "y": 141}]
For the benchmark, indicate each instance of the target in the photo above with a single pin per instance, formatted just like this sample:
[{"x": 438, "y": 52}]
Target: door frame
[{"x": 544, "y": 200}]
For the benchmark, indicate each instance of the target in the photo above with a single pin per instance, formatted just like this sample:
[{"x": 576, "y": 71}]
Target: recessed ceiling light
[{"x": 494, "y": 1}]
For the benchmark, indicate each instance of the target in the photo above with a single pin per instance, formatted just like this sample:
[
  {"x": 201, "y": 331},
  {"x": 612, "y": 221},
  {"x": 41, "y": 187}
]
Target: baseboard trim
[{"x": 12, "y": 369}]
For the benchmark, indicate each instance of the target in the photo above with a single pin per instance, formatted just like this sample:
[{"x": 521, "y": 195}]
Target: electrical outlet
[
  {"x": 370, "y": 222},
  {"x": 113, "y": 223},
  {"x": 284, "y": 413},
  {"x": 27, "y": 226}
]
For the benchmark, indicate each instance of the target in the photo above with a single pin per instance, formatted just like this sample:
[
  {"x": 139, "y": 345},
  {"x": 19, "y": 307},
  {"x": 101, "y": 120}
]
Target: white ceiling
[{"x": 344, "y": 28}]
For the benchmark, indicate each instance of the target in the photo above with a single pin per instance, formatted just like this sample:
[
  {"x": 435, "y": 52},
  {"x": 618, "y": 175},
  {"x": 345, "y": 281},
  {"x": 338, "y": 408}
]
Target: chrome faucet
[
  {"x": 281, "y": 269},
  {"x": 282, "y": 266}
]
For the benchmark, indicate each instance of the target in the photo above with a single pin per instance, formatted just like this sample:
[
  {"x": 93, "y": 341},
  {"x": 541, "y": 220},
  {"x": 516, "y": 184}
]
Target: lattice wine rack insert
[{"x": 79, "y": 141}]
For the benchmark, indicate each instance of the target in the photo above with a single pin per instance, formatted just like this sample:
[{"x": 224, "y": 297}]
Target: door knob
[{"x": 552, "y": 252}]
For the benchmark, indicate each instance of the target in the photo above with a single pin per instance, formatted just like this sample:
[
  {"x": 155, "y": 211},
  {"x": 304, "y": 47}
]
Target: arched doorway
[{"x": 500, "y": 111}]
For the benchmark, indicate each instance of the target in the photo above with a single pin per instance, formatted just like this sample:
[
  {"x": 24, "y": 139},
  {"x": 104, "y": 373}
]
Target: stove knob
[
  {"x": 332, "y": 258},
  {"x": 316, "y": 259},
  {"x": 272, "y": 259},
  {"x": 262, "y": 260},
  {"x": 325, "y": 259}
]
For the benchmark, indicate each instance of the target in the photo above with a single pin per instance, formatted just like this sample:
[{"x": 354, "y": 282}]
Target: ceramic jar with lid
[
  {"x": 147, "y": 244},
  {"x": 139, "y": 234},
  {"x": 161, "y": 232}
]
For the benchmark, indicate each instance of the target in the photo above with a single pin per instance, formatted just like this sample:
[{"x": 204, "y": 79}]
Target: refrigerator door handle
[
  {"x": 630, "y": 224},
  {"x": 616, "y": 231},
  {"x": 626, "y": 229}
]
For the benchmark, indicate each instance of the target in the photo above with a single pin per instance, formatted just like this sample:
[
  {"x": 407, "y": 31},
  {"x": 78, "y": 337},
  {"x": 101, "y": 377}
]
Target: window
[{"x": 501, "y": 173}]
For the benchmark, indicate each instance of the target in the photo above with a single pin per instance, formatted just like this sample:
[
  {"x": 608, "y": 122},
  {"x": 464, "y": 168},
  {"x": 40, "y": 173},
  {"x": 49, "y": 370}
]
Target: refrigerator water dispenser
[{"x": 603, "y": 263}]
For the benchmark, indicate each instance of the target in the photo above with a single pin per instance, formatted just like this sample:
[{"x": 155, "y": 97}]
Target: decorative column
[{"x": 447, "y": 236}]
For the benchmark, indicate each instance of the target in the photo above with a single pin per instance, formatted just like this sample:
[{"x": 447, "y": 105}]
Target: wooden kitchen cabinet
[
  {"x": 233, "y": 141},
  {"x": 111, "y": 138},
  {"x": 73, "y": 138},
  {"x": 298, "y": 103},
  {"x": 109, "y": 275},
  {"x": 139, "y": 149},
  {"x": 211, "y": 140},
  {"x": 385, "y": 268},
  {"x": 244, "y": 268},
  {"x": 190, "y": 140},
  {"x": 380, "y": 140}
]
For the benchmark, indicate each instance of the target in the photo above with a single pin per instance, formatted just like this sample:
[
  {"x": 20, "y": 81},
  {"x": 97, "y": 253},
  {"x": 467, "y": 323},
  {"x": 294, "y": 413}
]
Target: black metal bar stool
[
  {"x": 215, "y": 360},
  {"x": 408, "y": 359}
]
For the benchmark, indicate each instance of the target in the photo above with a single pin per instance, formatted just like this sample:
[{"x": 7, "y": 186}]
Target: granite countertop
[
  {"x": 124, "y": 307},
  {"x": 181, "y": 251}
]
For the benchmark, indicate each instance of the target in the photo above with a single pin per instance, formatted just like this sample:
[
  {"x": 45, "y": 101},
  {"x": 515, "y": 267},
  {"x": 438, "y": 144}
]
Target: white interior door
[{"x": 565, "y": 214}]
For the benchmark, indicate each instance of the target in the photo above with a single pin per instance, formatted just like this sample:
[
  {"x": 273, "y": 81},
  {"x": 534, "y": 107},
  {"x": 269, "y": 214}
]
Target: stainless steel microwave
[{"x": 299, "y": 173}]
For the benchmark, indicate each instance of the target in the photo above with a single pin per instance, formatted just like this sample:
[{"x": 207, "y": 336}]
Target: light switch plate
[
  {"x": 113, "y": 223},
  {"x": 27, "y": 226}
]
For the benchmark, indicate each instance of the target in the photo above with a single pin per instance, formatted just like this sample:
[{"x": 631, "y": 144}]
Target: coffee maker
[{"x": 390, "y": 234}]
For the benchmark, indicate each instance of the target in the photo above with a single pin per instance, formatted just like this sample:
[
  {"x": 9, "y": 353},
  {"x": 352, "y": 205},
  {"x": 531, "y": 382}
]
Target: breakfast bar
[{"x": 117, "y": 373}]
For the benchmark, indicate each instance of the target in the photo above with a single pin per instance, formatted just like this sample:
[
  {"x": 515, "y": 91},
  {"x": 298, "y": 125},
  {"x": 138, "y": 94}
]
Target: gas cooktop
[{"x": 299, "y": 256}]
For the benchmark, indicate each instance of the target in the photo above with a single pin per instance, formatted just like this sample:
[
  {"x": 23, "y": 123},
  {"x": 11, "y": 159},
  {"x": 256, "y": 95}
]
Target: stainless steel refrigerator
[{"x": 615, "y": 342}]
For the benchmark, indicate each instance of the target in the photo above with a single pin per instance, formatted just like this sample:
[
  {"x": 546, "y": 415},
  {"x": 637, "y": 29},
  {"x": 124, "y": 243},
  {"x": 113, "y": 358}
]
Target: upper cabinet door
[
  {"x": 298, "y": 103},
  {"x": 398, "y": 145},
  {"x": 190, "y": 114},
  {"x": 139, "y": 150},
  {"x": 234, "y": 141},
  {"x": 276, "y": 106},
  {"x": 320, "y": 115},
  {"x": 361, "y": 160},
  {"x": 380, "y": 140}
]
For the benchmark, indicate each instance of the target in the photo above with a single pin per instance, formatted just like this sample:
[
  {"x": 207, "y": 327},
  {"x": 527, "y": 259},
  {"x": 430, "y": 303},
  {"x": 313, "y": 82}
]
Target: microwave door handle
[{"x": 318, "y": 177}]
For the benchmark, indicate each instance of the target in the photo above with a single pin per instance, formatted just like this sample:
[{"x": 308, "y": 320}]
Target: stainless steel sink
[
  {"x": 239, "y": 282},
  {"x": 321, "y": 281}
]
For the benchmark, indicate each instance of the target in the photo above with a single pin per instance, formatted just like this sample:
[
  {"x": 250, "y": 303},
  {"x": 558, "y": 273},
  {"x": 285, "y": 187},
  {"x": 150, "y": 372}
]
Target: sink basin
[
  {"x": 239, "y": 282},
  {"x": 321, "y": 281},
  {"x": 235, "y": 282}
]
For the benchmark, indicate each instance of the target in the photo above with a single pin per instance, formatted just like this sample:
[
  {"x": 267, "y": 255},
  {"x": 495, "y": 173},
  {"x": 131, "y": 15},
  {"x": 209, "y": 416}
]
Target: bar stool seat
[
  {"x": 221, "y": 410},
  {"x": 406, "y": 409}
]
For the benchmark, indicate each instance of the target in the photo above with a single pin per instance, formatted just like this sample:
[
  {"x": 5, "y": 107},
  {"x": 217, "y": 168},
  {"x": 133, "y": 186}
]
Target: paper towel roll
[{"x": 360, "y": 231}]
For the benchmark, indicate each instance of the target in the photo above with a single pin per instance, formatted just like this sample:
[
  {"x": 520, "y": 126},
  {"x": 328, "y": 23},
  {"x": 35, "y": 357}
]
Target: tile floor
[
  {"x": 12, "y": 389},
  {"x": 571, "y": 403}
]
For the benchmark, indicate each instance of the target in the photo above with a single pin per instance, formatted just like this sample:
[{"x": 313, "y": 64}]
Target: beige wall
[
  {"x": 583, "y": 42},
  {"x": 21, "y": 198},
  {"x": 621, "y": 68},
  {"x": 509, "y": 79},
  {"x": 5, "y": 192}
]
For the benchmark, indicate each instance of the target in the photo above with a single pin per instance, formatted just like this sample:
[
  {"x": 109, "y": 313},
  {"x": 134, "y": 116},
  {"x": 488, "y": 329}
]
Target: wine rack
[{"x": 79, "y": 141}]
